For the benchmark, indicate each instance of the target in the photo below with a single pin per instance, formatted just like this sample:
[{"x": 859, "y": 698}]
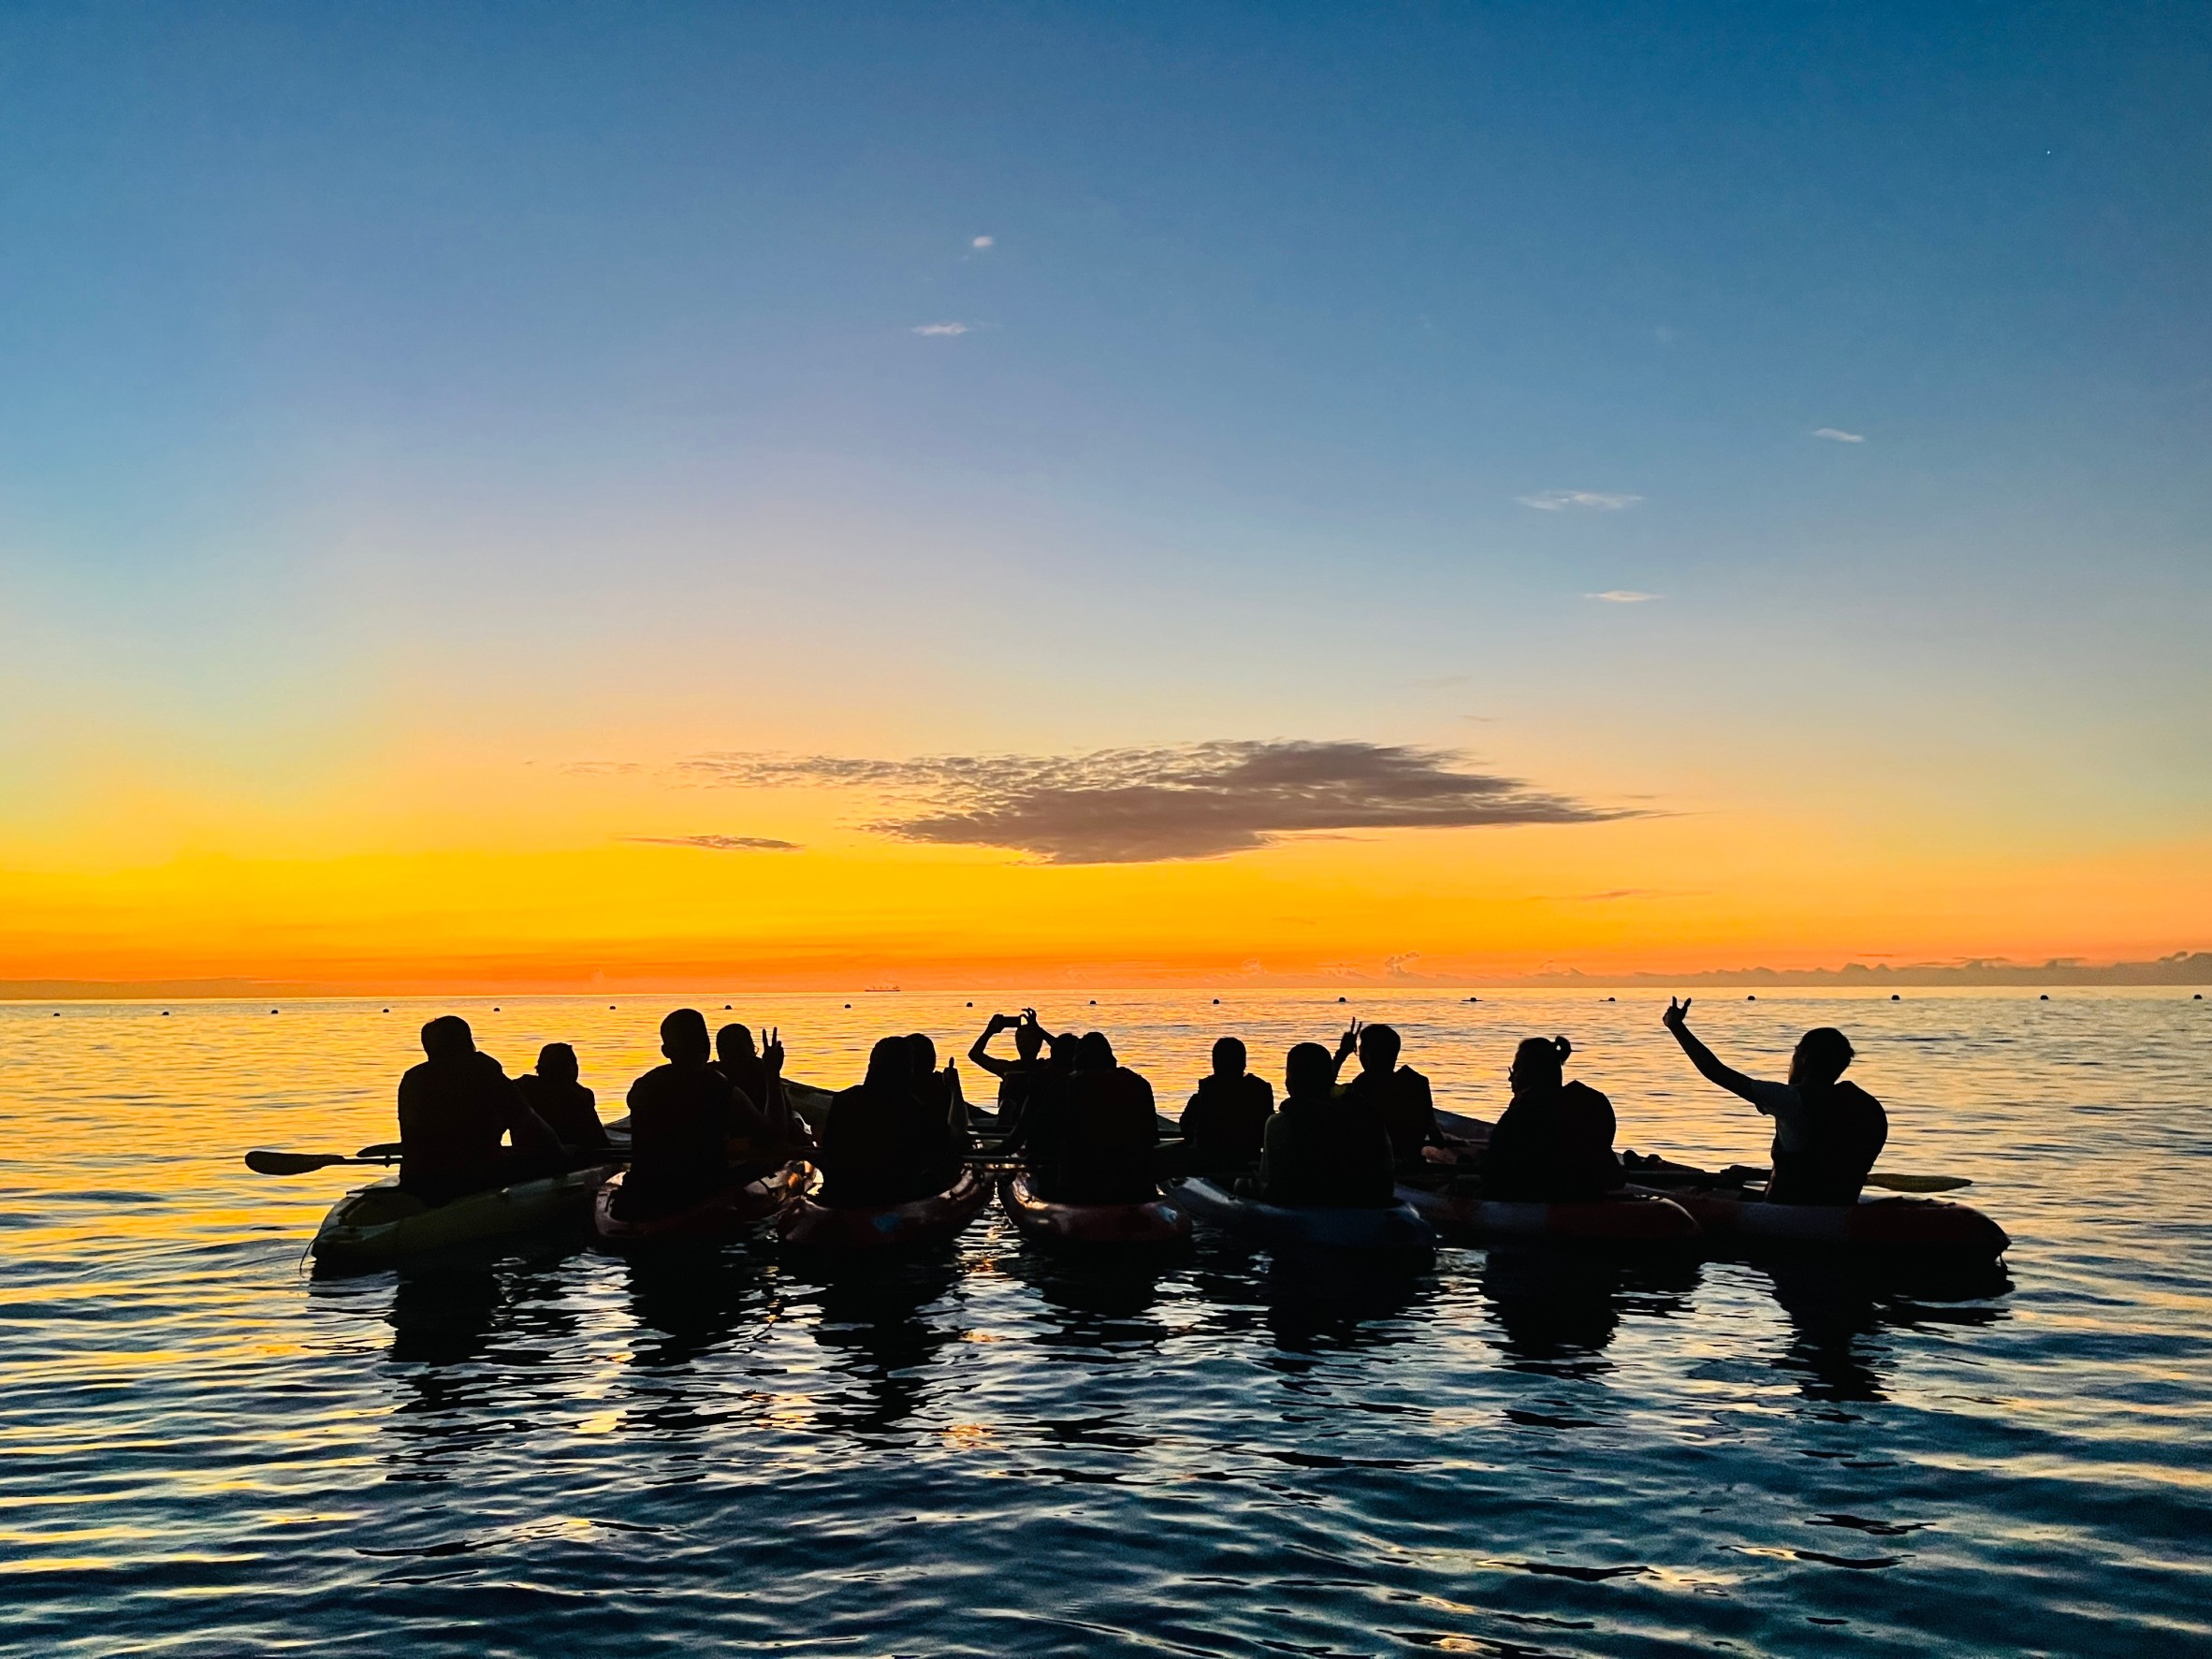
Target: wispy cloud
[
  {"x": 943, "y": 328},
  {"x": 1625, "y": 596},
  {"x": 1837, "y": 435},
  {"x": 1136, "y": 805},
  {"x": 1560, "y": 501},
  {"x": 984, "y": 241},
  {"x": 720, "y": 843}
]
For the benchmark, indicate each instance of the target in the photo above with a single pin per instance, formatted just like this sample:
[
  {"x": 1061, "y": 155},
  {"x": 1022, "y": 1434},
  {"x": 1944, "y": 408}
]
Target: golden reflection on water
[{"x": 1505, "y": 1441}]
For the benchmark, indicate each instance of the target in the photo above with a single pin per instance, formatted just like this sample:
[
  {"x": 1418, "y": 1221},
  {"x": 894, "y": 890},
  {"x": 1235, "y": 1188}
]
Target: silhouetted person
[
  {"x": 1040, "y": 1134},
  {"x": 681, "y": 1117},
  {"x": 1323, "y": 1150},
  {"x": 1554, "y": 1143},
  {"x": 454, "y": 1107},
  {"x": 1827, "y": 1133},
  {"x": 881, "y": 1143},
  {"x": 1108, "y": 1131},
  {"x": 569, "y": 1108},
  {"x": 1226, "y": 1121},
  {"x": 756, "y": 1086},
  {"x": 1398, "y": 1095},
  {"x": 1019, "y": 1075}
]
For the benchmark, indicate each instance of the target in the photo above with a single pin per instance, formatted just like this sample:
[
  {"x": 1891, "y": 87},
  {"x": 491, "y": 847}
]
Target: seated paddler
[
  {"x": 682, "y": 1115},
  {"x": 1553, "y": 1145},
  {"x": 1322, "y": 1150},
  {"x": 1226, "y": 1120},
  {"x": 454, "y": 1109},
  {"x": 757, "y": 1092},
  {"x": 556, "y": 1092},
  {"x": 1108, "y": 1131},
  {"x": 1827, "y": 1133},
  {"x": 882, "y": 1143},
  {"x": 1398, "y": 1095}
]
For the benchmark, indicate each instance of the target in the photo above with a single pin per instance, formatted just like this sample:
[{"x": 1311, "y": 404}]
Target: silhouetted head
[
  {"x": 557, "y": 1061},
  {"x": 1063, "y": 1047},
  {"x": 683, "y": 1037},
  {"x": 891, "y": 1064},
  {"x": 1539, "y": 1064},
  {"x": 1378, "y": 1049},
  {"x": 925, "y": 1053},
  {"x": 1094, "y": 1053},
  {"x": 1308, "y": 1070},
  {"x": 448, "y": 1037},
  {"x": 1822, "y": 1054},
  {"x": 733, "y": 1043},
  {"x": 1229, "y": 1058},
  {"x": 1028, "y": 1040}
]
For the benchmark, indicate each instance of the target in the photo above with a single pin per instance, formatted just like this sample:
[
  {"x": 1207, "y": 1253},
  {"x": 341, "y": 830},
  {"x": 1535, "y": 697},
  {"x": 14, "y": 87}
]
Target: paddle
[
  {"x": 263, "y": 1161},
  {"x": 1658, "y": 1171}
]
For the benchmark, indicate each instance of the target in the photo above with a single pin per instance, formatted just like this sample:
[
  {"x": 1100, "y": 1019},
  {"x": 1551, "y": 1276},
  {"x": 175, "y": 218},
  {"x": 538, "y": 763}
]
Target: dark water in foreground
[{"x": 992, "y": 1451}]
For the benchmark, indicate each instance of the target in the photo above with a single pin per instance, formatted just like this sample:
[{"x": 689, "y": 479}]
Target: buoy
[
  {"x": 495, "y": 1008},
  {"x": 1894, "y": 998},
  {"x": 1473, "y": 999},
  {"x": 725, "y": 1008},
  {"x": 1343, "y": 999},
  {"x": 164, "y": 1014},
  {"x": 1751, "y": 1000},
  {"x": 972, "y": 1005},
  {"x": 2045, "y": 997},
  {"x": 848, "y": 1005},
  {"x": 1094, "y": 1002},
  {"x": 388, "y": 1010}
]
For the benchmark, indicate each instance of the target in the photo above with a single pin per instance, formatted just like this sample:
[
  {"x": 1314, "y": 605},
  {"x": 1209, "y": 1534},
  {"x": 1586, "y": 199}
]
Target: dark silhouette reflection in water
[
  {"x": 688, "y": 1302},
  {"x": 1100, "y": 1303},
  {"x": 473, "y": 1350},
  {"x": 871, "y": 1315},
  {"x": 1840, "y": 1314},
  {"x": 1319, "y": 1302},
  {"x": 1557, "y": 1310}
]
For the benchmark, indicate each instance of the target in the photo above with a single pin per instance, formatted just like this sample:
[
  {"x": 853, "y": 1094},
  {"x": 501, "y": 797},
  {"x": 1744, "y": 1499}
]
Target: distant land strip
[{"x": 2183, "y": 967}]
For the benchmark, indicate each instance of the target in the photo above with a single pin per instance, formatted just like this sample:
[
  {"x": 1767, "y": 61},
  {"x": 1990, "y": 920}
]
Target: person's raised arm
[
  {"x": 1346, "y": 1046},
  {"x": 782, "y": 1120},
  {"x": 1677, "y": 1019},
  {"x": 997, "y": 1067}
]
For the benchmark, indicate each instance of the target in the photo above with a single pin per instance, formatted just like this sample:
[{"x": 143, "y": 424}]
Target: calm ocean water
[{"x": 992, "y": 1451}]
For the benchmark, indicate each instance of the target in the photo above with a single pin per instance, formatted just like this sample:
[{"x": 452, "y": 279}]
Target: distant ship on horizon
[{"x": 879, "y": 987}]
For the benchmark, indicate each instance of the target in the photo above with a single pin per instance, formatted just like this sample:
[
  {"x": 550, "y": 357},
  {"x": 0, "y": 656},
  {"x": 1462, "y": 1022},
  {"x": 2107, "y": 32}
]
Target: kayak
[
  {"x": 1155, "y": 1221},
  {"x": 808, "y": 1222},
  {"x": 379, "y": 1225},
  {"x": 1396, "y": 1228},
  {"x": 1933, "y": 1226},
  {"x": 1630, "y": 1219},
  {"x": 725, "y": 1216}
]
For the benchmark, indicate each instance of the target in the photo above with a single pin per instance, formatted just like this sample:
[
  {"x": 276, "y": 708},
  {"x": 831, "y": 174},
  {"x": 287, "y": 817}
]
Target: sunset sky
[{"x": 524, "y": 495}]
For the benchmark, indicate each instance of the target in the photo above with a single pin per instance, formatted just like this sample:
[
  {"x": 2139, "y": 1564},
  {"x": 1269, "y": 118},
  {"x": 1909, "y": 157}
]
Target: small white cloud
[
  {"x": 1559, "y": 501},
  {"x": 984, "y": 241},
  {"x": 1837, "y": 435},
  {"x": 941, "y": 329},
  {"x": 1625, "y": 596}
]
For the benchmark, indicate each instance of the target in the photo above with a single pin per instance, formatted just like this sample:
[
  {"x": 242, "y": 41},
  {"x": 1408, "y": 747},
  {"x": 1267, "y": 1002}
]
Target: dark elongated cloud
[
  {"x": 720, "y": 843},
  {"x": 1135, "y": 806}
]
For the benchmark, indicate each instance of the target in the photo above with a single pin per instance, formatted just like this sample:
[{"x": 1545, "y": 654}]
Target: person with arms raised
[
  {"x": 756, "y": 1088},
  {"x": 1018, "y": 1076},
  {"x": 557, "y": 1094},
  {"x": 1827, "y": 1133},
  {"x": 1323, "y": 1150},
  {"x": 454, "y": 1109},
  {"x": 1108, "y": 1129},
  {"x": 1225, "y": 1124},
  {"x": 1553, "y": 1145},
  {"x": 1397, "y": 1095}
]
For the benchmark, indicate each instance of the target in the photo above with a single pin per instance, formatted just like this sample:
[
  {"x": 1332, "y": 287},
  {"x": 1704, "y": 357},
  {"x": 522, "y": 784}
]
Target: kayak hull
[
  {"x": 937, "y": 1219},
  {"x": 1156, "y": 1221},
  {"x": 379, "y": 1225},
  {"x": 1630, "y": 1219},
  {"x": 1894, "y": 1226},
  {"x": 726, "y": 1214},
  {"x": 1395, "y": 1228}
]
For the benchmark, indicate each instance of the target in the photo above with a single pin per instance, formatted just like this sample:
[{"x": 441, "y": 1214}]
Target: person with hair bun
[
  {"x": 1554, "y": 1143},
  {"x": 1827, "y": 1133}
]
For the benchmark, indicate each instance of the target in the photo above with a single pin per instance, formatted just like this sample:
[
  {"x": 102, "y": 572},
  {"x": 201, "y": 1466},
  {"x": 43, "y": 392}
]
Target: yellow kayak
[{"x": 379, "y": 1225}]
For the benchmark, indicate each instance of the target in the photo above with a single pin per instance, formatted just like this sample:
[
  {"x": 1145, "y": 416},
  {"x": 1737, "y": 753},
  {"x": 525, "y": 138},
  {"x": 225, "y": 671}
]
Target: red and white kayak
[
  {"x": 725, "y": 1216},
  {"x": 1902, "y": 1225},
  {"x": 1628, "y": 1218},
  {"x": 1155, "y": 1221},
  {"x": 808, "y": 1222}
]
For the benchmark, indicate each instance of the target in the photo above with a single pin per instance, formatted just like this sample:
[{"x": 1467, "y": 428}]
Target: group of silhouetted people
[{"x": 1084, "y": 1127}]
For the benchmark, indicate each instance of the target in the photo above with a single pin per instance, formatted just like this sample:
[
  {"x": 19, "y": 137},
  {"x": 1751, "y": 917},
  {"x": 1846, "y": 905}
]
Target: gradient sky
[{"x": 1778, "y": 432}]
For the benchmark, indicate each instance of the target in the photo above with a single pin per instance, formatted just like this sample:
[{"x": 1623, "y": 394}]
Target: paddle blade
[
  {"x": 264, "y": 1162},
  {"x": 1917, "y": 1183},
  {"x": 383, "y": 1149}
]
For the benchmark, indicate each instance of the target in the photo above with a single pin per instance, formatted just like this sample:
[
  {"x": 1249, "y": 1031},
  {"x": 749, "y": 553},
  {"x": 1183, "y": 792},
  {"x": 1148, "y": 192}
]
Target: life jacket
[{"x": 1843, "y": 1132}]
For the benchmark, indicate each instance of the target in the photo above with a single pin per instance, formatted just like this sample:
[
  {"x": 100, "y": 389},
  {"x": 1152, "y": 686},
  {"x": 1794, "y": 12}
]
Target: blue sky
[{"x": 363, "y": 359}]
